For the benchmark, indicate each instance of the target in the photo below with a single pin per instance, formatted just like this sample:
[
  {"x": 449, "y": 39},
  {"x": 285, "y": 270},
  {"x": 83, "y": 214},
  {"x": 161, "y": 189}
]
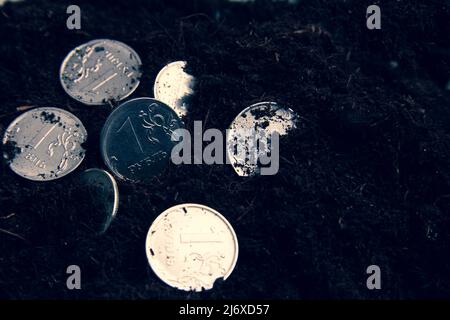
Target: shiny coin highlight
[
  {"x": 44, "y": 144},
  {"x": 136, "y": 139},
  {"x": 100, "y": 71},
  {"x": 190, "y": 246},
  {"x": 174, "y": 86}
]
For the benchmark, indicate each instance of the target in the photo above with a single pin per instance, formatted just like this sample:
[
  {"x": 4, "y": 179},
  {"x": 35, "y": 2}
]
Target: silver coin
[
  {"x": 190, "y": 246},
  {"x": 100, "y": 71},
  {"x": 263, "y": 118},
  {"x": 101, "y": 191},
  {"x": 136, "y": 138},
  {"x": 174, "y": 86},
  {"x": 44, "y": 144}
]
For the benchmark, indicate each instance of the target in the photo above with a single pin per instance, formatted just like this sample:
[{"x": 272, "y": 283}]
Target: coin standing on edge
[
  {"x": 101, "y": 190},
  {"x": 136, "y": 139},
  {"x": 190, "y": 246},
  {"x": 44, "y": 144},
  {"x": 268, "y": 117},
  {"x": 100, "y": 71},
  {"x": 173, "y": 86}
]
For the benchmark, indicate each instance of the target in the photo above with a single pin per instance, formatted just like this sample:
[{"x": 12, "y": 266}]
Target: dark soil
[{"x": 364, "y": 180}]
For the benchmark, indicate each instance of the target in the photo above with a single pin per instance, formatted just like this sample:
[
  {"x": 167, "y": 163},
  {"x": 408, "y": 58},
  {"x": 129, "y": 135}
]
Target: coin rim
[
  {"x": 271, "y": 103},
  {"x": 69, "y": 55},
  {"x": 116, "y": 192},
  {"x": 160, "y": 73},
  {"x": 184, "y": 205},
  {"x": 107, "y": 124},
  {"x": 23, "y": 115}
]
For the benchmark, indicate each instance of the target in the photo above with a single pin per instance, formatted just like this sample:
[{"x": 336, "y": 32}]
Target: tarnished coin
[
  {"x": 44, "y": 144},
  {"x": 190, "y": 246},
  {"x": 100, "y": 71},
  {"x": 136, "y": 139},
  {"x": 98, "y": 190},
  {"x": 257, "y": 121},
  {"x": 174, "y": 86}
]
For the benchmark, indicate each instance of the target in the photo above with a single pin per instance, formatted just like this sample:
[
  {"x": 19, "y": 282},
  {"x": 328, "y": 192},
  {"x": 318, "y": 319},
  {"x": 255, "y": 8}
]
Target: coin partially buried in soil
[
  {"x": 174, "y": 86},
  {"x": 99, "y": 194},
  {"x": 100, "y": 71},
  {"x": 136, "y": 139},
  {"x": 190, "y": 246},
  {"x": 260, "y": 119},
  {"x": 44, "y": 144}
]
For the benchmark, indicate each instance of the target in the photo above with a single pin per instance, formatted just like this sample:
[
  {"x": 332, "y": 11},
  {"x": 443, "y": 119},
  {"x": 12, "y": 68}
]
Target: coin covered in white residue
[
  {"x": 174, "y": 86},
  {"x": 249, "y": 135},
  {"x": 100, "y": 71},
  {"x": 190, "y": 246},
  {"x": 44, "y": 144}
]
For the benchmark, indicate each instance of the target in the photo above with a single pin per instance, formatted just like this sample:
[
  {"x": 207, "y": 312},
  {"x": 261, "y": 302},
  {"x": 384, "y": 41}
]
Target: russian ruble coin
[
  {"x": 190, "y": 246},
  {"x": 249, "y": 135},
  {"x": 44, "y": 144},
  {"x": 136, "y": 139},
  {"x": 174, "y": 86},
  {"x": 98, "y": 191},
  {"x": 100, "y": 71}
]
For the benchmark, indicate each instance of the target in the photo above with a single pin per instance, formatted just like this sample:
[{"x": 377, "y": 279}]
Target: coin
[
  {"x": 44, "y": 144},
  {"x": 100, "y": 71},
  {"x": 261, "y": 119},
  {"x": 190, "y": 246},
  {"x": 99, "y": 189},
  {"x": 136, "y": 138},
  {"x": 174, "y": 86}
]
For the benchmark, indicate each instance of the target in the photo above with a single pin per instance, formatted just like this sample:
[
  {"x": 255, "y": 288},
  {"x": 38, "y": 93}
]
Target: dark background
[{"x": 364, "y": 180}]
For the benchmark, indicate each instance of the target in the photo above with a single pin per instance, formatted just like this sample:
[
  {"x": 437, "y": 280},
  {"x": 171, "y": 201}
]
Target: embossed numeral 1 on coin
[
  {"x": 129, "y": 124},
  {"x": 136, "y": 139}
]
